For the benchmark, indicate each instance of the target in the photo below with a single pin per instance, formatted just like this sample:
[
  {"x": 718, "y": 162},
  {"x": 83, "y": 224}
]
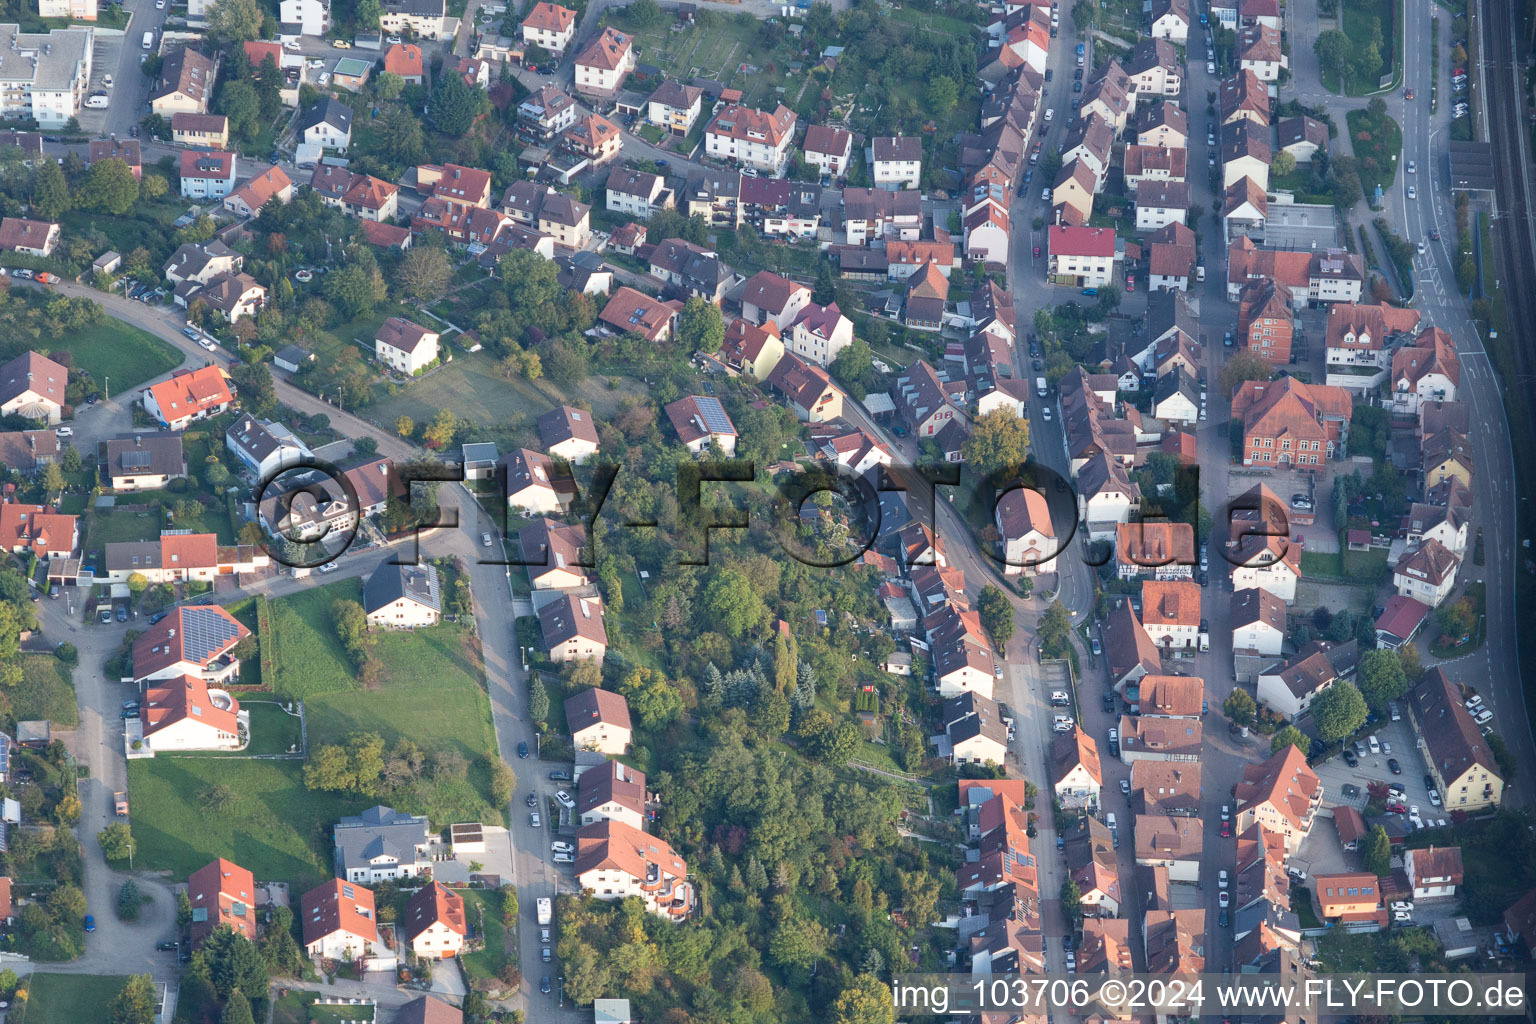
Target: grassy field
[
  {"x": 126, "y": 354},
  {"x": 300, "y": 1008},
  {"x": 273, "y": 731},
  {"x": 69, "y": 998},
  {"x": 483, "y": 907},
  {"x": 716, "y": 52},
  {"x": 274, "y": 826},
  {"x": 46, "y": 691},
  {"x": 309, "y": 660},
  {"x": 117, "y": 526}
]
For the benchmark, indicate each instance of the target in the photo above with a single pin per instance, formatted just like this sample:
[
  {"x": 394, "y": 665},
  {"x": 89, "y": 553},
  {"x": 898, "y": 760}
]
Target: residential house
[
  {"x": 1265, "y": 322},
  {"x": 1446, "y": 455},
  {"x": 1129, "y": 652},
  {"x": 1089, "y": 851},
  {"x": 1160, "y": 203},
  {"x": 1079, "y": 776},
  {"x": 35, "y": 530},
  {"x": 404, "y": 59},
  {"x": 753, "y": 350},
  {"x": 1288, "y": 689},
  {"x": 184, "y": 84},
  {"x": 1091, "y": 141},
  {"x": 1260, "y": 547},
  {"x": 142, "y": 461},
  {"x": 223, "y": 895},
  {"x": 1258, "y": 623},
  {"x": 200, "y": 264},
  {"x": 552, "y": 554},
  {"x": 808, "y": 389},
  {"x": 769, "y": 296},
  {"x": 200, "y": 131},
  {"x": 819, "y": 334},
  {"x": 531, "y": 483},
  {"x": 1426, "y": 370},
  {"x": 205, "y": 174},
  {"x": 751, "y": 137},
  {"x": 339, "y": 922},
  {"x": 632, "y": 312},
  {"x": 303, "y": 18},
  {"x": 1282, "y": 794},
  {"x": 126, "y": 150},
  {"x": 927, "y": 298},
  {"x": 1172, "y": 843},
  {"x": 974, "y": 731},
  {"x": 602, "y": 67},
  {"x": 549, "y": 26},
  {"x": 1302, "y": 137},
  {"x": 1349, "y": 898},
  {"x": 271, "y": 185},
  {"x": 188, "y": 395},
  {"x": 1259, "y": 50},
  {"x": 612, "y": 792},
  {"x": 1427, "y": 573},
  {"x": 926, "y": 401},
  {"x": 1170, "y": 20},
  {"x": 594, "y": 137},
  {"x": 1162, "y": 550},
  {"x": 1162, "y": 124},
  {"x": 327, "y": 124},
  {"x": 674, "y": 107},
  {"x": 1170, "y": 612},
  {"x": 1158, "y": 739},
  {"x": 405, "y": 346},
  {"x": 1434, "y": 872},
  {"x": 615, "y": 861},
  {"x": 828, "y": 150},
  {"x": 896, "y": 162},
  {"x": 1165, "y": 788},
  {"x": 599, "y": 720},
  {"x": 184, "y": 713},
  {"x": 434, "y": 922},
  {"x": 1081, "y": 256},
  {"x": 568, "y": 433},
  {"x": 1458, "y": 756},
  {"x": 402, "y": 596},
  {"x": 1245, "y": 152},
  {"x": 423, "y": 18},
  {"x": 1332, "y": 275},
  {"x": 1072, "y": 196},
  {"x": 1154, "y": 69},
  {"x": 383, "y": 843},
  {"x": 455, "y": 183},
  {"x": 573, "y": 630},
  {"x": 192, "y": 640},
  {"x": 638, "y": 193},
  {"x": 701, "y": 423},
  {"x": 179, "y": 556},
  {"x": 33, "y": 386},
  {"x": 690, "y": 270},
  {"x": 547, "y": 112},
  {"x": 264, "y": 447}
]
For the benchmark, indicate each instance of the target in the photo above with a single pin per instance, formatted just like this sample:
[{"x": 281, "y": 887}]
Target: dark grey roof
[
  {"x": 329, "y": 110},
  {"x": 392, "y": 581},
  {"x": 145, "y": 455},
  {"x": 378, "y": 832}
]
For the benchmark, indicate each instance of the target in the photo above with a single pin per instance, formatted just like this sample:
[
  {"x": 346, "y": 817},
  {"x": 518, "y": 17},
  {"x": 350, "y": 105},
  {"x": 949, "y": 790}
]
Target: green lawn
[
  {"x": 46, "y": 691},
  {"x": 274, "y": 826},
  {"x": 273, "y": 731},
  {"x": 470, "y": 387},
  {"x": 309, "y": 659},
  {"x": 1365, "y": 566},
  {"x": 1377, "y": 144},
  {"x": 69, "y": 998},
  {"x": 126, "y": 354},
  {"x": 116, "y": 526},
  {"x": 483, "y": 908}
]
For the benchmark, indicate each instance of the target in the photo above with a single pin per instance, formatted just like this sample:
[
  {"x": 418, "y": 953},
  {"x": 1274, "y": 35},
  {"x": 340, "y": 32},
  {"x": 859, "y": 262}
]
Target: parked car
[
  {"x": 90, "y": 922},
  {"x": 522, "y": 748},
  {"x": 532, "y": 800},
  {"x": 535, "y": 820},
  {"x": 559, "y": 846},
  {"x": 560, "y": 775},
  {"x": 544, "y": 955},
  {"x": 1125, "y": 788},
  {"x": 1223, "y": 899},
  {"x": 1350, "y": 758},
  {"x": 564, "y": 799},
  {"x": 1221, "y": 879},
  {"x": 167, "y": 947},
  {"x": 544, "y": 984},
  {"x": 1395, "y": 768}
]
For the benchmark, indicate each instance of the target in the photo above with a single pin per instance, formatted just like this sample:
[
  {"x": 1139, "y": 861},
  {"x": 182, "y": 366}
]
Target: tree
[
  {"x": 388, "y": 85},
  {"x": 1243, "y": 366},
  {"x": 1071, "y": 902},
  {"x": 183, "y": 909},
  {"x": 701, "y": 328},
  {"x": 405, "y": 426},
  {"x": 1290, "y": 736},
  {"x": 1283, "y": 163},
  {"x": 230, "y": 961},
  {"x": 644, "y": 14},
  {"x": 367, "y": 14},
  {"x": 1338, "y": 712},
  {"x": 855, "y": 367},
  {"x": 235, "y": 21},
  {"x": 796, "y": 940},
  {"x": 733, "y": 606},
  {"x": 1382, "y": 678},
  {"x": 942, "y": 95},
  {"x": 53, "y": 478},
  {"x": 1457, "y": 619},
  {"x": 999, "y": 443},
  {"x": 351, "y": 625},
  {"x": 655, "y": 701},
  {"x": 423, "y": 273},
  {"x": 400, "y": 136},
  {"x": 996, "y": 614},
  {"x": 356, "y": 289},
  {"x": 134, "y": 1002},
  {"x": 1376, "y": 852},
  {"x": 111, "y": 187},
  {"x": 72, "y": 461},
  {"x": 456, "y": 105},
  {"x": 1239, "y": 707},
  {"x": 1055, "y": 631},
  {"x": 67, "y": 903},
  {"x": 153, "y": 186},
  {"x": 239, "y": 102},
  {"x": 128, "y": 900},
  {"x": 538, "y": 700},
  {"x": 278, "y": 949},
  {"x": 1335, "y": 52},
  {"x": 238, "y": 1009},
  {"x": 116, "y": 841},
  {"x": 50, "y": 191},
  {"x": 258, "y": 392},
  {"x": 865, "y": 1001}
]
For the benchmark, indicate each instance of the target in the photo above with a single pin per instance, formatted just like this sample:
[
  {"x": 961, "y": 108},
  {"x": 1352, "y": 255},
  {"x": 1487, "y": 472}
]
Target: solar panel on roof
[
  {"x": 205, "y": 632},
  {"x": 135, "y": 460},
  {"x": 713, "y": 414}
]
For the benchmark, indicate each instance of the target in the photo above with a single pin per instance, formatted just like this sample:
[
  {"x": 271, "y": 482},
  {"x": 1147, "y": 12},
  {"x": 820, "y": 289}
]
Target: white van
[
  {"x": 1040, "y": 386},
  {"x": 149, "y": 40},
  {"x": 97, "y": 101}
]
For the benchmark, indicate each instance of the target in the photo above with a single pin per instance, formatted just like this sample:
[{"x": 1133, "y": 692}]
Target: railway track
[{"x": 1506, "y": 130}]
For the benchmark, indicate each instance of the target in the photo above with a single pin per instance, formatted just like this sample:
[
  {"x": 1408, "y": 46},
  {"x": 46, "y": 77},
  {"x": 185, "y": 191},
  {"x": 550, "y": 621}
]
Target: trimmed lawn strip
[
  {"x": 46, "y": 690},
  {"x": 69, "y": 998},
  {"x": 483, "y": 908},
  {"x": 273, "y": 826},
  {"x": 125, "y": 353}
]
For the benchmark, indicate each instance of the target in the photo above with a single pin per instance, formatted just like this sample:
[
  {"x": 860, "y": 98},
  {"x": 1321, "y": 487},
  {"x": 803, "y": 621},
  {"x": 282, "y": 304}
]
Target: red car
[
  {"x": 1409, "y": 94},
  {"x": 1130, "y": 282},
  {"x": 1037, "y": 252},
  {"x": 1397, "y": 808},
  {"x": 1226, "y": 830}
]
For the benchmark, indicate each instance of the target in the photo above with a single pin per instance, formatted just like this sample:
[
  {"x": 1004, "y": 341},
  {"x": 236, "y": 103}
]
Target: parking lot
[{"x": 1336, "y": 774}]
